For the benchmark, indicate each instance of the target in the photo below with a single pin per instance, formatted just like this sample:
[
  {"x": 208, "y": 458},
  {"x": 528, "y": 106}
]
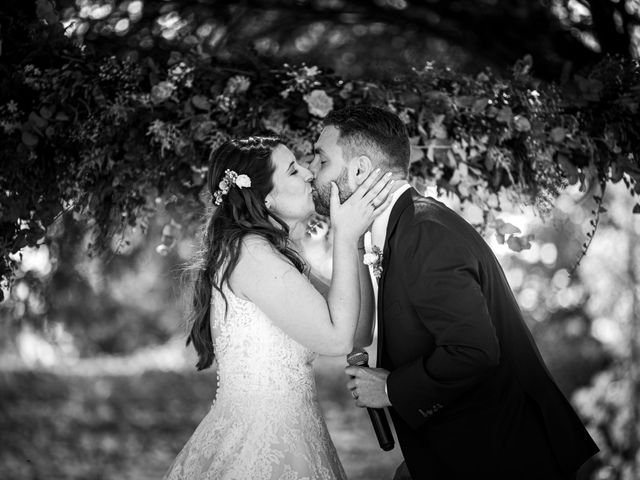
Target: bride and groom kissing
[{"x": 457, "y": 368}]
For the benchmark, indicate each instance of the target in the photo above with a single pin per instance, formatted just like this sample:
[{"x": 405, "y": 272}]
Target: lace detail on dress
[{"x": 265, "y": 422}]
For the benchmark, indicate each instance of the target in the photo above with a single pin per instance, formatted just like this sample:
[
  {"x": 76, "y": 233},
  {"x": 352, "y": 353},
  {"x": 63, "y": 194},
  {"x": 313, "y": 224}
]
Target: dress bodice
[{"x": 254, "y": 355}]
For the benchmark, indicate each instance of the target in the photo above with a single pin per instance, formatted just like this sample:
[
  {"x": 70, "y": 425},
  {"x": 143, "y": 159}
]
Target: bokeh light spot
[
  {"x": 135, "y": 8},
  {"x": 99, "y": 12},
  {"x": 122, "y": 26},
  {"x": 528, "y": 298},
  {"x": 561, "y": 279},
  {"x": 548, "y": 254}
]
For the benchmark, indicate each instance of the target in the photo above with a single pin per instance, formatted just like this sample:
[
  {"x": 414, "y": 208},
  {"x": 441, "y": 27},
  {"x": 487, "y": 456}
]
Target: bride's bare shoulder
[
  {"x": 257, "y": 255},
  {"x": 263, "y": 274},
  {"x": 253, "y": 240},
  {"x": 256, "y": 247}
]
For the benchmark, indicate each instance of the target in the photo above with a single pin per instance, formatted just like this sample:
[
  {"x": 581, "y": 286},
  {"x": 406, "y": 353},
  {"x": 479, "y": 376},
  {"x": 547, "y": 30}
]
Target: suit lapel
[{"x": 401, "y": 204}]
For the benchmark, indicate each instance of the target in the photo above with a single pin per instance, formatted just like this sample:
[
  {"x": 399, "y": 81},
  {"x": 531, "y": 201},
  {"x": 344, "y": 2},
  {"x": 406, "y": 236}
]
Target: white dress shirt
[
  {"x": 379, "y": 232},
  {"x": 376, "y": 237}
]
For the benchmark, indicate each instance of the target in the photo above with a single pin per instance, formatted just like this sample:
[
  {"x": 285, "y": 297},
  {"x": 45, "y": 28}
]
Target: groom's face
[{"x": 329, "y": 165}]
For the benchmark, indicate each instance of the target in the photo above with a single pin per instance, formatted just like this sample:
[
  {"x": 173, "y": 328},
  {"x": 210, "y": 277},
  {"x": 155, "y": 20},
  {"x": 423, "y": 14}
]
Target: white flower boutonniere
[{"x": 372, "y": 256}]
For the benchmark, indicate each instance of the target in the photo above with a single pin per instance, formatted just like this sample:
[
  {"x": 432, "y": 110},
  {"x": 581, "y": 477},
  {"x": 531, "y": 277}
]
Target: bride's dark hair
[{"x": 242, "y": 211}]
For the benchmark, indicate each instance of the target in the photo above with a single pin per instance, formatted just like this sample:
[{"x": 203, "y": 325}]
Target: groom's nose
[{"x": 314, "y": 165}]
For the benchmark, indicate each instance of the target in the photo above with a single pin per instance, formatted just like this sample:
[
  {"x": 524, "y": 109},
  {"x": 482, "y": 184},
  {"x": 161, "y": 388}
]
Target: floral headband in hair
[{"x": 230, "y": 178}]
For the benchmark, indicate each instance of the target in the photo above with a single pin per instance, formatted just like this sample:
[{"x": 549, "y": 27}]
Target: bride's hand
[{"x": 352, "y": 218}]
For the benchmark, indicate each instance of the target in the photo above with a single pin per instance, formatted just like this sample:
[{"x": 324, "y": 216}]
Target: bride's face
[{"x": 291, "y": 198}]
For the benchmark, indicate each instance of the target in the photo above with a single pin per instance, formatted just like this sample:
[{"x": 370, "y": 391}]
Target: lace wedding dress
[{"x": 265, "y": 422}]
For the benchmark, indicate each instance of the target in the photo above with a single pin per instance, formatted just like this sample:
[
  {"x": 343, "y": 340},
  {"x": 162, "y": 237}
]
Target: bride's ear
[
  {"x": 362, "y": 167},
  {"x": 268, "y": 201}
]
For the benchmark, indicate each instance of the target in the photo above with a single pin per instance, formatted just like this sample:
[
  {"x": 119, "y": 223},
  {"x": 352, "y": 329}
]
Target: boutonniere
[{"x": 372, "y": 256}]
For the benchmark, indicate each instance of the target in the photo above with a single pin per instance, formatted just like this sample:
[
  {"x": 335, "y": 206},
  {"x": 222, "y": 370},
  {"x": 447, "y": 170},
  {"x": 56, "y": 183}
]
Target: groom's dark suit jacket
[{"x": 471, "y": 396}]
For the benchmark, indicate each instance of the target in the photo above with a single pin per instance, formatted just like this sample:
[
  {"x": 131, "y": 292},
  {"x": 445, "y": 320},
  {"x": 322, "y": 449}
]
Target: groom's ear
[{"x": 362, "y": 167}]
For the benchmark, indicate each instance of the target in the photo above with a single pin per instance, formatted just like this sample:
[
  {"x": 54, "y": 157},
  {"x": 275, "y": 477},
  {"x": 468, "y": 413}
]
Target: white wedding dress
[{"x": 265, "y": 422}]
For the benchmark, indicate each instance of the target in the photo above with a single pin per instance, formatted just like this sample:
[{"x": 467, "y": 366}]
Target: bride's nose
[{"x": 307, "y": 175}]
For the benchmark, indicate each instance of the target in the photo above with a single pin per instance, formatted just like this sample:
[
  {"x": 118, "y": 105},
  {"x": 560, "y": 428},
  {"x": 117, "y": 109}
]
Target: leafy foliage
[
  {"x": 607, "y": 406},
  {"x": 118, "y": 140}
]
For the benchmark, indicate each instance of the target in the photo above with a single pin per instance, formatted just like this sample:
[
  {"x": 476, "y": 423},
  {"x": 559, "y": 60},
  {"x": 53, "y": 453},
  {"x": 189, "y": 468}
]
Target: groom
[{"x": 468, "y": 392}]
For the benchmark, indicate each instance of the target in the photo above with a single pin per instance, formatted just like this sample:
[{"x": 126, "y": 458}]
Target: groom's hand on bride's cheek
[{"x": 368, "y": 385}]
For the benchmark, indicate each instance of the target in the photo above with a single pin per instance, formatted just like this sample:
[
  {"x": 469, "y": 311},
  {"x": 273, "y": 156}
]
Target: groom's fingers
[{"x": 354, "y": 371}]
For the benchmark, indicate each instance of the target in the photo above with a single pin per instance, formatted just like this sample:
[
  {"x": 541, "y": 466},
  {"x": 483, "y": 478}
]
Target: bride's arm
[
  {"x": 266, "y": 278},
  {"x": 316, "y": 248}
]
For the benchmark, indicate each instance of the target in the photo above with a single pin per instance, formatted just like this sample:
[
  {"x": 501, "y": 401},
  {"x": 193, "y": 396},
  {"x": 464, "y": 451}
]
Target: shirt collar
[{"x": 379, "y": 225}]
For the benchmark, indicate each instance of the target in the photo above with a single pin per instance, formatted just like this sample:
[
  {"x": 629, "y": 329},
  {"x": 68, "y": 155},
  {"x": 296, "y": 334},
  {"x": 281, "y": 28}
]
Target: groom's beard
[{"x": 322, "y": 193}]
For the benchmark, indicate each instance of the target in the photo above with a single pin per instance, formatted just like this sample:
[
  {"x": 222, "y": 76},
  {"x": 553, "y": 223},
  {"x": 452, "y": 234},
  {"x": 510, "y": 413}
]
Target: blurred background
[{"x": 95, "y": 379}]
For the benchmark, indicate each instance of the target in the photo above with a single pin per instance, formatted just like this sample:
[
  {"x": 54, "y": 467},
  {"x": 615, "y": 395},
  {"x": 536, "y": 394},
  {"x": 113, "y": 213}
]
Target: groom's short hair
[{"x": 375, "y": 132}]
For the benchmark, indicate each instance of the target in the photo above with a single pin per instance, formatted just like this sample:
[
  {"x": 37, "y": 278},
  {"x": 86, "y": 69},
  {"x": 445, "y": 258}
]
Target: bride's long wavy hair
[{"x": 241, "y": 212}]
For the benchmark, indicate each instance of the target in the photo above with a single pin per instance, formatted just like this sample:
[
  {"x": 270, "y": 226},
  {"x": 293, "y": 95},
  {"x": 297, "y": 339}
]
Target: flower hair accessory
[{"x": 230, "y": 178}]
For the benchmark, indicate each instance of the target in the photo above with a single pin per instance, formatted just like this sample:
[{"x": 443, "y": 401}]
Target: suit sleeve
[{"x": 441, "y": 279}]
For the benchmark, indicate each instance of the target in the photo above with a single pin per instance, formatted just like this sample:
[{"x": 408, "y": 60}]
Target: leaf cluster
[{"x": 117, "y": 140}]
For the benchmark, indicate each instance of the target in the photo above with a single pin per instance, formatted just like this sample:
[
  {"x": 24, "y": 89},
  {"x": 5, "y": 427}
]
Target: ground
[{"x": 127, "y": 418}]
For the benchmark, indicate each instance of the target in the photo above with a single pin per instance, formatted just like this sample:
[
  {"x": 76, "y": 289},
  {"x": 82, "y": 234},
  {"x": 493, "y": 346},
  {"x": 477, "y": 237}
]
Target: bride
[{"x": 255, "y": 310}]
